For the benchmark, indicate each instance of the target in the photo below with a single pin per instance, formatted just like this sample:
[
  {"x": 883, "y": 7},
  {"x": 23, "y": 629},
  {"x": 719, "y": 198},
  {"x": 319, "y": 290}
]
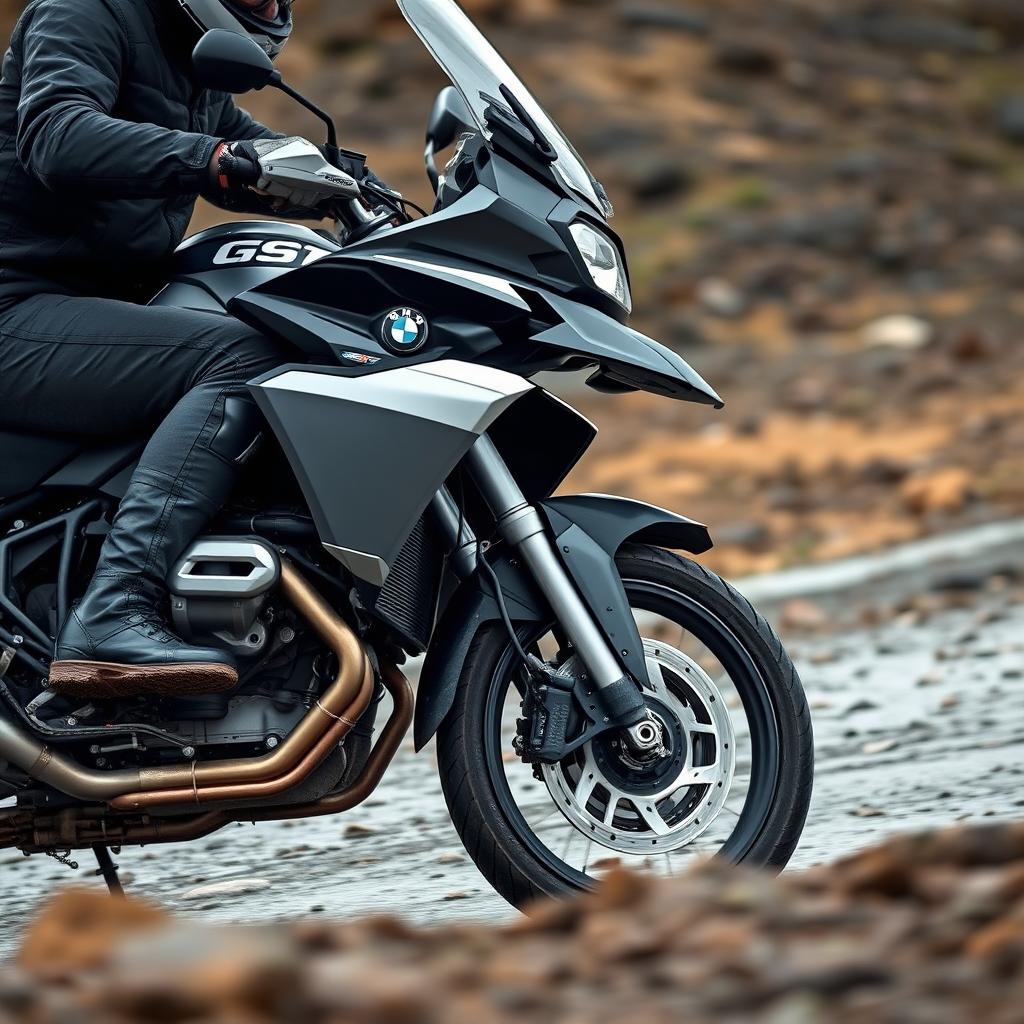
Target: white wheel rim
[{"x": 688, "y": 804}]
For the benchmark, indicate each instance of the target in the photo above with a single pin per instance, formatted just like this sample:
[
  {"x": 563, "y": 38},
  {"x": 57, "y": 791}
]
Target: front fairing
[
  {"x": 474, "y": 273},
  {"x": 494, "y": 270},
  {"x": 627, "y": 359}
]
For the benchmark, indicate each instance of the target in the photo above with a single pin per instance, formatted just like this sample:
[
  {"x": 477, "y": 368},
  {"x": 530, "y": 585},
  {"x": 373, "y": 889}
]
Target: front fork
[{"x": 522, "y": 527}]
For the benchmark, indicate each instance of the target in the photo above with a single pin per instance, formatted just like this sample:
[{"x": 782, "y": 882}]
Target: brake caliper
[{"x": 542, "y": 732}]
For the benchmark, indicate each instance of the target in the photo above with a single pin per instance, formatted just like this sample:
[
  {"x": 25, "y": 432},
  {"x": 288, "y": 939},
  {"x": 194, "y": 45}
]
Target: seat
[{"x": 28, "y": 462}]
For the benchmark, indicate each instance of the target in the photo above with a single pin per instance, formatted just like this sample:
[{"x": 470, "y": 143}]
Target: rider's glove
[{"x": 234, "y": 167}]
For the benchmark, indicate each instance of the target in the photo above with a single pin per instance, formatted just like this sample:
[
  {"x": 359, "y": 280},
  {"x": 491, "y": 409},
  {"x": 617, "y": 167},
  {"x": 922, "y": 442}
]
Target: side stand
[{"x": 108, "y": 869}]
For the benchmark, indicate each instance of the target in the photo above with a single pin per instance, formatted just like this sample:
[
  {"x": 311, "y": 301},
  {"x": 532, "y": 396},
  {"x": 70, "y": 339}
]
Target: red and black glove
[{"x": 234, "y": 169}]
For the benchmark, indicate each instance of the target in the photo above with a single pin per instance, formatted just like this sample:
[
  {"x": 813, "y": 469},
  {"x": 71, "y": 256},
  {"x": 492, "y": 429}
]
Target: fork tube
[
  {"x": 458, "y": 533},
  {"x": 522, "y": 526}
]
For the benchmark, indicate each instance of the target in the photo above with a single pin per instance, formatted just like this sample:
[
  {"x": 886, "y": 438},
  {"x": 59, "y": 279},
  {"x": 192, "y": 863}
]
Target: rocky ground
[
  {"x": 919, "y": 723},
  {"x": 927, "y": 928}
]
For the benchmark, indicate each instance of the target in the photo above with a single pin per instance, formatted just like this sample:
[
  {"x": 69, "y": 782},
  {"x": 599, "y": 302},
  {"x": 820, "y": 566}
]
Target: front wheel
[{"x": 734, "y": 780}]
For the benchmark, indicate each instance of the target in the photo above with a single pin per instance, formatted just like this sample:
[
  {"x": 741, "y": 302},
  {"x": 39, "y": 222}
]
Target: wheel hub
[
  {"x": 635, "y": 773},
  {"x": 629, "y": 802}
]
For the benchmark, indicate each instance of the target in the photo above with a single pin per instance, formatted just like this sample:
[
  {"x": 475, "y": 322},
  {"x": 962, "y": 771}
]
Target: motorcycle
[{"x": 597, "y": 697}]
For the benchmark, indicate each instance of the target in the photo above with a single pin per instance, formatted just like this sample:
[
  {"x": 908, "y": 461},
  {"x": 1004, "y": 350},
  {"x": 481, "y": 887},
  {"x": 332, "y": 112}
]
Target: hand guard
[{"x": 292, "y": 171}]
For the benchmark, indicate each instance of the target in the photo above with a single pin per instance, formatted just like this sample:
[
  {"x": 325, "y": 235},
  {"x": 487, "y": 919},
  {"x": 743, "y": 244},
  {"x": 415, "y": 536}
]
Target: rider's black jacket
[{"x": 95, "y": 190}]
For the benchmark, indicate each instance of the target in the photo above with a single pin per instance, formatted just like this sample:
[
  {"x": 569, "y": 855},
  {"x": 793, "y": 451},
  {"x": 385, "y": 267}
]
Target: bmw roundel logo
[{"x": 404, "y": 330}]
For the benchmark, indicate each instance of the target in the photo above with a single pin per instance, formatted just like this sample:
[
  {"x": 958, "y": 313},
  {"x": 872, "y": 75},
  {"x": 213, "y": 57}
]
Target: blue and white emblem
[{"x": 404, "y": 330}]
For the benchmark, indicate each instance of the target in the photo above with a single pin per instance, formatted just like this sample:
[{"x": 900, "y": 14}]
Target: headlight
[{"x": 603, "y": 262}]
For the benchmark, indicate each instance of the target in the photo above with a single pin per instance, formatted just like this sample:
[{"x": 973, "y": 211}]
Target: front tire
[{"x": 475, "y": 754}]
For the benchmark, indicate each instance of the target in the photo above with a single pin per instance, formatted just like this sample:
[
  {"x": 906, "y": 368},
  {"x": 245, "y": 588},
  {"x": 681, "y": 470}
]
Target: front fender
[{"x": 589, "y": 529}]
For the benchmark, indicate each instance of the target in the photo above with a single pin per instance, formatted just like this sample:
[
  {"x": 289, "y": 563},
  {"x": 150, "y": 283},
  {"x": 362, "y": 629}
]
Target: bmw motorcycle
[{"x": 598, "y": 698}]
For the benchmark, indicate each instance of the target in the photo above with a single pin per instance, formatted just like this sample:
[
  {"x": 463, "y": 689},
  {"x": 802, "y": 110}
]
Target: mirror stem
[
  {"x": 278, "y": 83},
  {"x": 432, "y": 173}
]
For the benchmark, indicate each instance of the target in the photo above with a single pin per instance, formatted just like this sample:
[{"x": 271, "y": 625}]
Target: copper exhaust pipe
[
  {"x": 74, "y": 829},
  {"x": 377, "y": 763},
  {"x": 327, "y": 722}
]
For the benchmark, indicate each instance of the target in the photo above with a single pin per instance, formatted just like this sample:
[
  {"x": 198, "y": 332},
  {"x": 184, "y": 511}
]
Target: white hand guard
[{"x": 295, "y": 170}]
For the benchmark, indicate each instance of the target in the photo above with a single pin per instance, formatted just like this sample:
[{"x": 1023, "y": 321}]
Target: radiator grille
[{"x": 409, "y": 595}]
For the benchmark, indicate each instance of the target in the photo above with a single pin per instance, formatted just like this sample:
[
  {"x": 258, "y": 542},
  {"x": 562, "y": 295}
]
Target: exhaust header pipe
[{"x": 327, "y": 722}]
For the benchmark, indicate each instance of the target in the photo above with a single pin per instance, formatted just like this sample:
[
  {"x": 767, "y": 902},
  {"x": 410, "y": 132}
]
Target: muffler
[{"x": 327, "y": 722}]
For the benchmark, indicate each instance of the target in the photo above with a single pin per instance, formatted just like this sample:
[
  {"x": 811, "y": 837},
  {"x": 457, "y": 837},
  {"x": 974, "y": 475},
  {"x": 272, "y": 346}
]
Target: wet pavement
[{"x": 919, "y": 722}]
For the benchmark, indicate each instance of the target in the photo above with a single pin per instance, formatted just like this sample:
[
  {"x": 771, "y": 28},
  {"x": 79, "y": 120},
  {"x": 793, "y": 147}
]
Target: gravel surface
[{"x": 919, "y": 723}]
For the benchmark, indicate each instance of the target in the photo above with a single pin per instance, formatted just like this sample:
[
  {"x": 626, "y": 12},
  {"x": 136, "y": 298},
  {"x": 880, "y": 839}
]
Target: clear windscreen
[{"x": 477, "y": 70}]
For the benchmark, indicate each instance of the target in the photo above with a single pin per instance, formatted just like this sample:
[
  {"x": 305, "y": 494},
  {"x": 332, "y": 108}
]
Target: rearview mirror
[
  {"x": 228, "y": 62},
  {"x": 449, "y": 116}
]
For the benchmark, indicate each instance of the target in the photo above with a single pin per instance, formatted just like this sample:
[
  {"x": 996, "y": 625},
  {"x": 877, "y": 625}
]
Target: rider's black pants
[{"x": 99, "y": 368}]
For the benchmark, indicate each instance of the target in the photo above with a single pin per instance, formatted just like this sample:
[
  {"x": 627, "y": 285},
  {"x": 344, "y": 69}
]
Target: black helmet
[{"x": 236, "y": 16}]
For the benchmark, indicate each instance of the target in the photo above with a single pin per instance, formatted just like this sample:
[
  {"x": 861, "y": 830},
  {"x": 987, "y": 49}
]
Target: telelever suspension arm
[{"x": 522, "y": 527}]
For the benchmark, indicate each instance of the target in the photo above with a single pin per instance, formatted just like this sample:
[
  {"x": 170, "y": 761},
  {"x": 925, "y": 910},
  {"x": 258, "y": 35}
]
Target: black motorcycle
[{"x": 597, "y": 698}]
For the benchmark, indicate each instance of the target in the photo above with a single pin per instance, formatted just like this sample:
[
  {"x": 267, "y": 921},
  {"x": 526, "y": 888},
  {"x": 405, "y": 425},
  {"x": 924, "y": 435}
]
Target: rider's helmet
[{"x": 269, "y": 22}]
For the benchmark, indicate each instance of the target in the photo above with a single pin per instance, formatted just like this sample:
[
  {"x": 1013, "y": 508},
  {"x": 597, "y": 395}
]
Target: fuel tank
[{"x": 210, "y": 268}]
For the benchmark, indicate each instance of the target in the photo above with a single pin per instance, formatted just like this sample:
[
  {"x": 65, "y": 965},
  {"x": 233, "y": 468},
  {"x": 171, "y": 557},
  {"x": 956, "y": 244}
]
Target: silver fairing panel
[{"x": 371, "y": 450}]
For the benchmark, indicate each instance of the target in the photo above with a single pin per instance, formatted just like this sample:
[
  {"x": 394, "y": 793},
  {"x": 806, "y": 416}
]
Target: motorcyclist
[{"x": 106, "y": 141}]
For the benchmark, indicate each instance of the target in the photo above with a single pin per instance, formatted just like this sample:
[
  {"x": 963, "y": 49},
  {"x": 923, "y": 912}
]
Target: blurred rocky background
[
  {"x": 925, "y": 928},
  {"x": 823, "y": 202}
]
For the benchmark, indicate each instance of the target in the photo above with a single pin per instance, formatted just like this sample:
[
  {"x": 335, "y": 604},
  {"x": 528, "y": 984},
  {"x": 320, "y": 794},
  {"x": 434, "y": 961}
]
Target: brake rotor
[{"x": 630, "y": 805}]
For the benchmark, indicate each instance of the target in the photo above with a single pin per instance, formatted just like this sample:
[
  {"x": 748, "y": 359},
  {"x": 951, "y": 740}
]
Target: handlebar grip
[{"x": 238, "y": 169}]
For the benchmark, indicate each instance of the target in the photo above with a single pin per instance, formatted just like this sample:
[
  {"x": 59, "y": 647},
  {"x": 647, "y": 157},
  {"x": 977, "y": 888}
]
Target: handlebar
[{"x": 357, "y": 213}]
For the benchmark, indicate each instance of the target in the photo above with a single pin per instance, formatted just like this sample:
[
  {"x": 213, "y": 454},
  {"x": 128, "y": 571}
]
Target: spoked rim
[{"x": 650, "y": 813}]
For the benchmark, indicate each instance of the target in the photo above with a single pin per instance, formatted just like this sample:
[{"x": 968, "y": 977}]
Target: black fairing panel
[
  {"x": 335, "y": 451},
  {"x": 541, "y": 439},
  {"x": 336, "y": 307},
  {"x": 626, "y": 356},
  {"x": 210, "y": 268}
]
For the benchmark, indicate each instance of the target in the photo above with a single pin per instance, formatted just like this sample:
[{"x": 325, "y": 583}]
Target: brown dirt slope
[{"x": 786, "y": 173}]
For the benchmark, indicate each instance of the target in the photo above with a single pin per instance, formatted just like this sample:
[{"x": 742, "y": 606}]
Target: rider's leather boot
[{"x": 116, "y": 643}]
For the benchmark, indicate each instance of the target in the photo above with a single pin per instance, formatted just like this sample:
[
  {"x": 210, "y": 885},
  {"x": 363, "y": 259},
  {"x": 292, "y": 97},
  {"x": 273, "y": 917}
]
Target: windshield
[{"x": 477, "y": 70}]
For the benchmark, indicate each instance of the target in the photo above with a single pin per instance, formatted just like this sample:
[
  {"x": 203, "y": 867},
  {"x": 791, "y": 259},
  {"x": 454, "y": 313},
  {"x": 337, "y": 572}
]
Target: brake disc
[{"x": 659, "y": 805}]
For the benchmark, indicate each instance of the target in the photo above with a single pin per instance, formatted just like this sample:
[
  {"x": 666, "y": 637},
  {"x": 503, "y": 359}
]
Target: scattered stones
[
  {"x": 861, "y": 705},
  {"x": 801, "y": 614},
  {"x": 945, "y": 490},
  {"x": 357, "y": 831},
  {"x": 867, "y": 811},
  {"x": 825, "y": 656},
  {"x": 721, "y": 298},
  {"x": 230, "y": 887},
  {"x": 670, "y": 18},
  {"x": 931, "y": 922},
  {"x": 652, "y": 177},
  {"x": 897, "y": 331},
  {"x": 1010, "y": 117},
  {"x": 879, "y": 746},
  {"x": 748, "y": 56}
]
